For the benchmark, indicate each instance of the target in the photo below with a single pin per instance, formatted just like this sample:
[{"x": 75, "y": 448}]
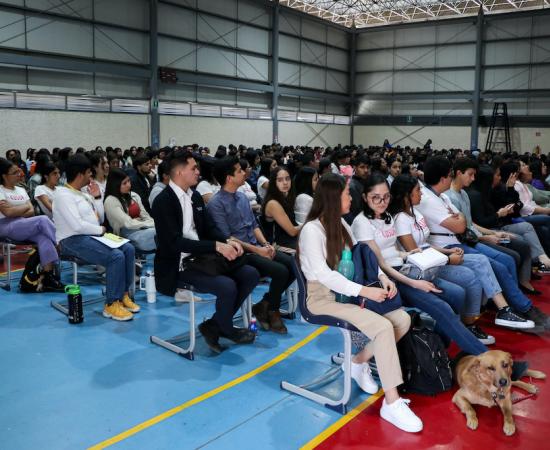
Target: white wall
[
  {"x": 312, "y": 134},
  {"x": 523, "y": 139},
  {"x": 30, "y": 128},
  {"x": 212, "y": 131}
]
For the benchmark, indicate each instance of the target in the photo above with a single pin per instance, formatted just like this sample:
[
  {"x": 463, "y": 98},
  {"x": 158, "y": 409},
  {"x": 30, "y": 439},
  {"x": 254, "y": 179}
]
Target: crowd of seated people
[{"x": 247, "y": 212}]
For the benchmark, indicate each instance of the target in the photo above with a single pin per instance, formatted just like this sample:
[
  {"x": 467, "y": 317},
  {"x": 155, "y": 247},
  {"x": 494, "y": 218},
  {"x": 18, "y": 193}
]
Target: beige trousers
[{"x": 383, "y": 331}]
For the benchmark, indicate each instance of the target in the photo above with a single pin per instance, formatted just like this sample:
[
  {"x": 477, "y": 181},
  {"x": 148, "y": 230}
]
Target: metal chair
[
  {"x": 63, "y": 307},
  {"x": 7, "y": 247},
  {"x": 339, "y": 404},
  {"x": 191, "y": 336}
]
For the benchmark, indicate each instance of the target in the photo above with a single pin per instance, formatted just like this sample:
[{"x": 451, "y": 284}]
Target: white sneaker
[
  {"x": 400, "y": 415},
  {"x": 361, "y": 373},
  {"x": 185, "y": 296}
]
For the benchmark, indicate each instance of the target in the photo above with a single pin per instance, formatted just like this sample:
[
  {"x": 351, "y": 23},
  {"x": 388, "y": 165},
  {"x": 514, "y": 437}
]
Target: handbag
[
  {"x": 424, "y": 265},
  {"x": 213, "y": 264}
]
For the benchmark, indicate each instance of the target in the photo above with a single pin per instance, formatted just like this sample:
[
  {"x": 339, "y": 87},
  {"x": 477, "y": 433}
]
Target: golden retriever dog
[{"x": 486, "y": 380}]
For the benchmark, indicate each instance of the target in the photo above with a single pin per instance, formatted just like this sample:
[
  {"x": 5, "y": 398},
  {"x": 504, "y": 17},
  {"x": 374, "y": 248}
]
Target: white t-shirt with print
[
  {"x": 382, "y": 233},
  {"x": 49, "y": 193},
  {"x": 406, "y": 224},
  {"x": 15, "y": 197},
  {"x": 262, "y": 191},
  {"x": 205, "y": 187},
  {"x": 436, "y": 210}
]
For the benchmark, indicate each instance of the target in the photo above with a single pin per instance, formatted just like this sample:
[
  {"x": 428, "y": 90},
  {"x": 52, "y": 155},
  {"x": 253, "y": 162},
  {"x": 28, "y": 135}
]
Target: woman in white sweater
[
  {"x": 322, "y": 239},
  {"x": 126, "y": 214}
]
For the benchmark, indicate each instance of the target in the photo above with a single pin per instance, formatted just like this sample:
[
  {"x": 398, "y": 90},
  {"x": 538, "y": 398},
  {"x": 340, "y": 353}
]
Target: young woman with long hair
[
  {"x": 441, "y": 299},
  {"x": 126, "y": 214},
  {"x": 266, "y": 166},
  {"x": 44, "y": 193},
  {"x": 323, "y": 238},
  {"x": 278, "y": 209},
  {"x": 305, "y": 183},
  {"x": 208, "y": 186}
]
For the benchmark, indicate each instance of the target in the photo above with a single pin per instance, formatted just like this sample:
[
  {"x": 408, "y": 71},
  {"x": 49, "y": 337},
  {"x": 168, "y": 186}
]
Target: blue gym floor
[{"x": 102, "y": 383}]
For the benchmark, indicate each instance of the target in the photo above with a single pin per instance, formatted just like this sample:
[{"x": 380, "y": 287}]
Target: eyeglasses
[{"x": 377, "y": 199}]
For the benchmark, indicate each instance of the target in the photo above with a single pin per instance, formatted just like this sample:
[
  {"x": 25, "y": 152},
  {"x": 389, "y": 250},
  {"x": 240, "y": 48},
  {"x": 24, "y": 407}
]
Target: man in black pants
[
  {"x": 180, "y": 223},
  {"x": 233, "y": 218}
]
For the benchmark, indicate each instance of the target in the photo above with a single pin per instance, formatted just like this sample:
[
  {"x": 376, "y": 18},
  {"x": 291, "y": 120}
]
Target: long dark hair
[
  {"x": 45, "y": 170},
  {"x": 114, "y": 181},
  {"x": 5, "y": 166},
  {"x": 374, "y": 179},
  {"x": 273, "y": 193},
  {"x": 401, "y": 190},
  {"x": 483, "y": 184},
  {"x": 327, "y": 207},
  {"x": 265, "y": 167},
  {"x": 207, "y": 169},
  {"x": 303, "y": 180}
]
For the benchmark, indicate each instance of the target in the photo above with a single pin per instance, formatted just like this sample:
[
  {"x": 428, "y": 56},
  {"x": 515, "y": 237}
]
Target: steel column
[
  {"x": 352, "y": 70},
  {"x": 153, "y": 83},
  {"x": 476, "y": 95},
  {"x": 275, "y": 71}
]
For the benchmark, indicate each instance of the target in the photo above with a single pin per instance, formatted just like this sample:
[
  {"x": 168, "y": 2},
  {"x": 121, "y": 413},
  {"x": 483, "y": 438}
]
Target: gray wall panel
[
  {"x": 217, "y": 31},
  {"x": 252, "y": 68},
  {"x": 289, "y": 103},
  {"x": 507, "y": 52},
  {"x": 375, "y": 40},
  {"x": 337, "y": 59},
  {"x": 414, "y": 58},
  {"x": 177, "y": 54},
  {"x": 216, "y": 95},
  {"x": 413, "y": 82},
  {"x": 121, "y": 45},
  {"x": 289, "y": 74},
  {"x": 313, "y": 53},
  {"x": 337, "y": 38},
  {"x": 509, "y": 28},
  {"x": 130, "y": 13},
  {"x": 227, "y": 8},
  {"x": 314, "y": 31},
  {"x": 541, "y": 49},
  {"x": 313, "y": 78},
  {"x": 337, "y": 81},
  {"x": 218, "y": 61},
  {"x": 253, "y": 99},
  {"x": 178, "y": 92},
  {"x": 454, "y": 80},
  {"x": 120, "y": 87},
  {"x": 12, "y": 30},
  {"x": 73, "y": 8},
  {"x": 374, "y": 82},
  {"x": 375, "y": 60},
  {"x": 506, "y": 79},
  {"x": 289, "y": 47},
  {"x": 540, "y": 79},
  {"x": 415, "y": 36},
  {"x": 312, "y": 105},
  {"x": 455, "y": 55},
  {"x": 177, "y": 21},
  {"x": 458, "y": 32},
  {"x": 59, "y": 36},
  {"x": 255, "y": 13},
  {"x": 253, "y": 39},
  {"x": 64, "y": 82},
  {"x": 13, "y": 78},
  {"x": 289, "y": 23}
]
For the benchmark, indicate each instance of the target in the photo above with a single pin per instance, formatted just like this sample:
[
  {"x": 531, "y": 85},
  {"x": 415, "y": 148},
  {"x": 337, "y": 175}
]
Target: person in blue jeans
[
  {"x": 446, "y": 222},
  {"x": 78, "y": 217},
  {"x": 441, "y": 299}
]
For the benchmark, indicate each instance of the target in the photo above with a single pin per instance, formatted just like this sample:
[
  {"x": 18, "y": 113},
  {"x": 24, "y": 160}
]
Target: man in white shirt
[{"x": 78, "y": 217}]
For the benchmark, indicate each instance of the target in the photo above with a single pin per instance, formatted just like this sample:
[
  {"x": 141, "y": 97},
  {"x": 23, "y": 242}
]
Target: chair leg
[
  {"x": 246, "y": 309},
  {"x": 340, "y": 404},
  {"x": 171, "y": 343},
  {"x": 75, "y": 273}
]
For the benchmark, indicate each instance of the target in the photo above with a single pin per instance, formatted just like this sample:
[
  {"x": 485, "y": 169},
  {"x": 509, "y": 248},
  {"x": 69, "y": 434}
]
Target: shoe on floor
[
  {"x": 51, "y": 284},
  {"x": 481, "y": 336},
  {"x": 537, "y": 316},
  {"x": 543, "y": 268},
  {"x": 116, "y": 311},
  {"x": 400, "y": 415},
  {"x": 528, "y": 291},
  {"x": 260, "y": 311},
  {"x": 130, "y": 305},
  {"x": 506, "y": 317},
  {"x": 276, "y": 324},
  {"x": 239, "y": 336},
  {"x": 210, "y": 331},
  {"x": 186, "y": 296},
  {"x": 362, "y": 375}
]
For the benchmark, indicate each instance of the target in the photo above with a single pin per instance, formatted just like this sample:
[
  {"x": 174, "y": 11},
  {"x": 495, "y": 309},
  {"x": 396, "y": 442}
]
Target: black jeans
[
  {"x": 230, "y": 290},
  {"x": 521, "y": 252},
  {"x": 279, "y": 269}
]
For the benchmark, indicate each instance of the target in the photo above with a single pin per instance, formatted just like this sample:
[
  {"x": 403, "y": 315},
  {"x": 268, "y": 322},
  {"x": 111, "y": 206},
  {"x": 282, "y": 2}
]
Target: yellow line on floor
[
  {"x": 3, "y": 274},
  {"x": 324, "y": 435},
  {"x": 171, "y": 412}
]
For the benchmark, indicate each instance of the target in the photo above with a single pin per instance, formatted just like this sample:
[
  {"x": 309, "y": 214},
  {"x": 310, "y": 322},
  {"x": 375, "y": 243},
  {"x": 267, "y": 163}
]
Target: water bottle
[
  {"x": 147, "y": 284},
  {"x": 253, "y": 326},
  {"x": 74, "y": 302},
  {"x": 347, "y": 269}
]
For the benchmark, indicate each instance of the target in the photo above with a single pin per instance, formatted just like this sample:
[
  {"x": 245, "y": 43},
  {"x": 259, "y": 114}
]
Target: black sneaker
[
  {"x": 481, "y": 336},
  {"x": 537, "y": 316},
  {"x": 239, "y": 336},
  {"x": 51, "y": 283},
  {"x": 506, "y": 317},
  {"x": 210, "y": 332},
  {"x": 260, "y": 311},
  {"x": 543, "y": 269}
]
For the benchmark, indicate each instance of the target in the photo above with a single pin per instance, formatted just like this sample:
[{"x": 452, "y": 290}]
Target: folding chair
[
  {"x": 188, "y": 352},
  {"x": 7, "y": 247},
  {"x": 63, "y": 307},
  {"x": 339, "y": 404}
]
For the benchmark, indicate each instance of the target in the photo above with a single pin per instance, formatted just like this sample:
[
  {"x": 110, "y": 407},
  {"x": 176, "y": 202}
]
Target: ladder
[{"x": 500, "y": 125}]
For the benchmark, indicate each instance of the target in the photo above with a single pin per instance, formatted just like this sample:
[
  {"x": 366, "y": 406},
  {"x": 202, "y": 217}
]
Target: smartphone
[{"x": 504, "y": 241}]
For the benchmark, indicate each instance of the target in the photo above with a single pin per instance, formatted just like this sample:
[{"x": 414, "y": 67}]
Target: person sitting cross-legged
[
  {"x": 180, "y": 221},
  {"x": 233, "y": 218},
  {"x": 78, "y": 217}
]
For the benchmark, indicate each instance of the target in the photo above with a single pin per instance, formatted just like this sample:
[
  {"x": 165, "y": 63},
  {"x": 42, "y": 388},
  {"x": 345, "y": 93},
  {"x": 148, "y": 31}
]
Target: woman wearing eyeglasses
[
  {"x": 17, "y": 222},
  {"x": 442, "y": 300},
  {"x": 278, "y": 210}
]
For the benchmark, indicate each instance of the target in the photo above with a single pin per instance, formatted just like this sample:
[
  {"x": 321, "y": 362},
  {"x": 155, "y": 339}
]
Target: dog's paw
[
  {"x": 509, "y": 428},
  {"x": 532, "y": 389},
  {"x": 472, "y": 423}
]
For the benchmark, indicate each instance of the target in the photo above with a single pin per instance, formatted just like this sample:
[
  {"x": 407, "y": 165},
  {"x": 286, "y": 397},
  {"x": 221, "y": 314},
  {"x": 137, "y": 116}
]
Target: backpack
[
  {"x": 31, "y": 279},
  {"x": 424, "y": 361}
]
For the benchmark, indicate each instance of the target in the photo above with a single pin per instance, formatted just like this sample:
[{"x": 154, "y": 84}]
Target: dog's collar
[{"x": 498, "y": 394}]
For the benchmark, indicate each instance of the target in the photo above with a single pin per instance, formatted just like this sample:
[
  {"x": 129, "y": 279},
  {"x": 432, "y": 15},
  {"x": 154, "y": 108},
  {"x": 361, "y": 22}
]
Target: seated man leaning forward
[
  {"x": 233, "y": 218},
  {"x": 180, "y": 222}
]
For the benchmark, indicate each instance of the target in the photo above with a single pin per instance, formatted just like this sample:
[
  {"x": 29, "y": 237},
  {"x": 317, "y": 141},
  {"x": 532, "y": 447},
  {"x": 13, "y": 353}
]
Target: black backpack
[
  {"x": 31, "y": 278},
  {"x": 424, "y": 361}
]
